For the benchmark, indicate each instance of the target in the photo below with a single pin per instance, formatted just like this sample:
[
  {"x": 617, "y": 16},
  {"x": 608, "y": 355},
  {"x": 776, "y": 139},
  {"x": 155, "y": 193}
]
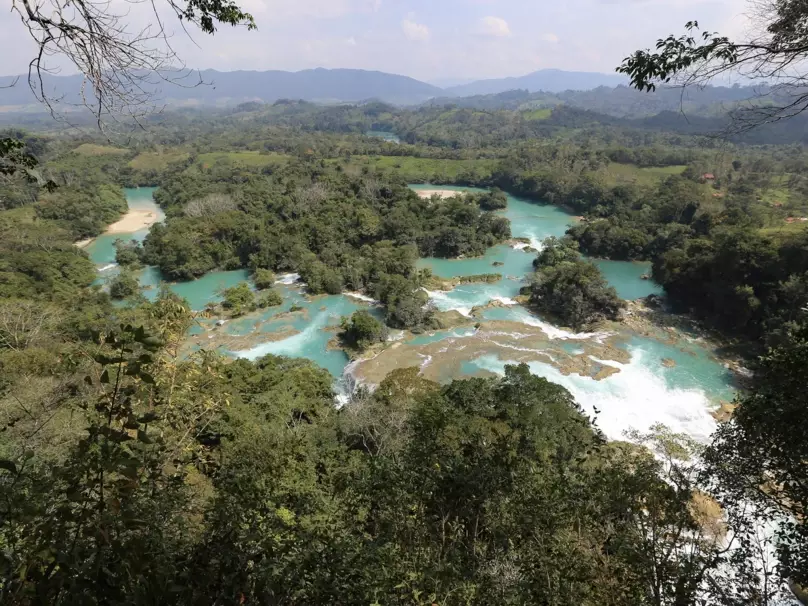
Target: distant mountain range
[
  {"x": 546, "y": 80},
  {"x": 319, "y": 85}
]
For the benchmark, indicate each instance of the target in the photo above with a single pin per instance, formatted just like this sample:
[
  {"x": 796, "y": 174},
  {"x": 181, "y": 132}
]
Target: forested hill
[
  {"x": 211, "y": 87},
  {"x": 132, "y": 473},
  {"x": 602, "y": 93},
  {"x": 548, "y": 80}
]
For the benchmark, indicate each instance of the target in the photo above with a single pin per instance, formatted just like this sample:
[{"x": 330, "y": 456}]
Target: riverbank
[
  {"x": 141, "y": 214},
  {"x": 648, "y": 317},
  {"x": 134, "y": 220},
  {"x": 441, "y": 193}
]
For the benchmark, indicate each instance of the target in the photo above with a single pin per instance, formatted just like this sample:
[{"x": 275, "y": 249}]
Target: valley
[
  {"x": 496, "y": 331},
  {"x": 286, "y": 330}
]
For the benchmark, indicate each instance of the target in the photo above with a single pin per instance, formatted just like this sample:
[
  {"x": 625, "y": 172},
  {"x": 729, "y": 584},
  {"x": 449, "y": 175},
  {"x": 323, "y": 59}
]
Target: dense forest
[{"x": 133, "y": 472}]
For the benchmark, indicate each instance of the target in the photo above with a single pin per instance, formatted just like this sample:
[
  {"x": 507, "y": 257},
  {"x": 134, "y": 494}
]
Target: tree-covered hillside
[{"x": 137, "y": 470}]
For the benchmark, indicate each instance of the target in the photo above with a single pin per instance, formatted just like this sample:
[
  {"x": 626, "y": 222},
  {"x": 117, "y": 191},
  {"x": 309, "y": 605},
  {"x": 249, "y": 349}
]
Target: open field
[
  {"x": 246, "y": 158},
  {"x": 537, "y": 114},
  {"x": 157, "y": 160},
  {"x": 91, "y": 149},
  {"x": 425, "y": 169},
  {"x": 777, "y": 192},
  {"x": 786, "y": 230},
  {"x": 629, "y": 173}
]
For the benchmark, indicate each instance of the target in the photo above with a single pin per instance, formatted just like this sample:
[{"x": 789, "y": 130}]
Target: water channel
[{"x": 633, "y": 380}]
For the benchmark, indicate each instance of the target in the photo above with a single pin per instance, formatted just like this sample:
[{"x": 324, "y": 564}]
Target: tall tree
[{"x": 772, "y": 56}]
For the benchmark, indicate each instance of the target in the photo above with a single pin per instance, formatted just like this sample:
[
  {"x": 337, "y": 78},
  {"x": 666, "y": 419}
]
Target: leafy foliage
[
  {"x": 263, "y": 278},
  {"x": 571, "y": 289},
  {"x": 362, "y": 330},
  {"x": 270, "y": 298},
  {"x": 759, "y": 455},
  {"x": 239, "y": 299},
  {"x": 124, "y": 285}
]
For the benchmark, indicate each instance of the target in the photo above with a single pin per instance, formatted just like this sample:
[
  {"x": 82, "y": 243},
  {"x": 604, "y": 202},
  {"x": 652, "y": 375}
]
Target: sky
[{"x": 432, "y": 40}]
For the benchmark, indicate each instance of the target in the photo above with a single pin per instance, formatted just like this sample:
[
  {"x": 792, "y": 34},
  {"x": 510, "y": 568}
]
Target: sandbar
[
  {"x": 441, "y": 193},
  {"x": 134, "y": 220}
]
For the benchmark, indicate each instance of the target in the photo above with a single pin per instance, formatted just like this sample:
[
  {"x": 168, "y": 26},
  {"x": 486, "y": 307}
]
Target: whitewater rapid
[{"x": 635, "y": 398}]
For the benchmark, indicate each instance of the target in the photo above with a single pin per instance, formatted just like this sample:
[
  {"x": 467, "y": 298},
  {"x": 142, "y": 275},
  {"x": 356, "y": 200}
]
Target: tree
[
  {"x": 263, "y": 278},
  {"x": 105, "y": 522},
  {"x": 772, "y": 56},
  {"x": 124, "y": 285},
  {"x": 15, "y": 159},
  {"x": 24, "y": 323},
  {"x": 555, "y": 251},
  {"x": 571, "y": 289},
  {"x": 119, "y": 62},
  {"x": 127, "y": 254},
  {"x": 760, "y": 455},
  {"x": 496, "y": 199},
  {"x": 239, "y": 299},
  {"x": 270, "y": 298},
  {"x": 362, "y": 330}
]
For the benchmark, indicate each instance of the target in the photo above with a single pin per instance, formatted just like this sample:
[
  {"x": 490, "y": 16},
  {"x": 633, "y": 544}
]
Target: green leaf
[
  {"x": 149, "y": 417},
  {"x": 152, "y": 342},
  {"x": 8, "y": 465},
  {"x": 147, "y": 378}
]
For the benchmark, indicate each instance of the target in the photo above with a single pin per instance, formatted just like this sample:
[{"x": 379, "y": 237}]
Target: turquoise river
[{"x": 629, "y": 380}]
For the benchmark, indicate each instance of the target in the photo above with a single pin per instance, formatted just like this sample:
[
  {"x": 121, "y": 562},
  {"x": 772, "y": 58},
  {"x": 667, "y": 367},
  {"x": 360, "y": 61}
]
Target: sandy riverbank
[
  {"x": 134, "y": 220},
  {"x": 441, "y": 193}
]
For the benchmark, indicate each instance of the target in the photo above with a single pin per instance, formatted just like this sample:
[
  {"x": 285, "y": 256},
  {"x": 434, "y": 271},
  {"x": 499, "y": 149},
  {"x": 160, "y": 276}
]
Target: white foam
[
  {"x": 634, "y": 398},
  {"x": 291, "y": 346},
  {"x": 107, "y": 267},
  {"x": 468, "y": 296},
  {"x": 445, "y": 302},
  {"x": 361, "y": 297},
  {"x": 554, "y": 332},
  {"x": 287, "y": 279}
]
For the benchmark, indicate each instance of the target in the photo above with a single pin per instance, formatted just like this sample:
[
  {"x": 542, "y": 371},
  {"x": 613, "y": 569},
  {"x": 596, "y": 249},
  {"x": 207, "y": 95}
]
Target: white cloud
[
  {"x": 414, "y": 31},
  {"x": 351, "y": 41},
  {"x": 302, "y": 34},
  {"x": 494, "y": 26}
]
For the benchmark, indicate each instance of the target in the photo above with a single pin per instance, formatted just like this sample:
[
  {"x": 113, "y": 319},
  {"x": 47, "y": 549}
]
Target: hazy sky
[{"x": 427, "y": 39}]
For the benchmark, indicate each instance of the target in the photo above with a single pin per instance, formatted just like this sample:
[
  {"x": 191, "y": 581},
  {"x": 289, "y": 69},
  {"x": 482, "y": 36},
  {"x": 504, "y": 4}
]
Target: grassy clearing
[
  {"x": 786, "y": 231},
  {"x": 23, "y": 214},
  {"x": 91, "y": 149},
  {"x": 777, "y": 192},
  {"x": 425, "y": 169},
  {"x": 629, "y": 173},
  {"x": 157, "y": 160},
  {"x": 245, "y": 158},
  {"x": 538, "y": 114}
]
